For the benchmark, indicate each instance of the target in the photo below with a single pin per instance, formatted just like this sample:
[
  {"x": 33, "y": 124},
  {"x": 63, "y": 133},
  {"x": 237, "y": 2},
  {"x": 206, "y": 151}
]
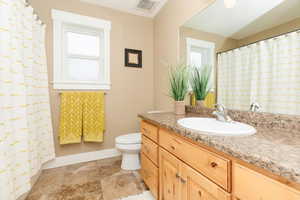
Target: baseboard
[{"x": 81, "y": 157}]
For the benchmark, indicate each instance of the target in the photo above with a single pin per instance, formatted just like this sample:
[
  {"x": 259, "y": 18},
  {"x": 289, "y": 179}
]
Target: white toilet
[{"x": 130, "y": 147}]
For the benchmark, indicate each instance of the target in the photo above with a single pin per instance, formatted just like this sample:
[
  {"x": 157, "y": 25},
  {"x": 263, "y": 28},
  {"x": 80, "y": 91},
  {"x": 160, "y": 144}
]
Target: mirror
[{"x": 253, "y": 48}]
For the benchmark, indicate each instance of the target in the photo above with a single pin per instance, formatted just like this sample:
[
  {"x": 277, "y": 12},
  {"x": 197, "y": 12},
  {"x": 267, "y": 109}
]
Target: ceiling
[
  {"x": 130, "y": 6},
  {"x": 245, "y": 18}
]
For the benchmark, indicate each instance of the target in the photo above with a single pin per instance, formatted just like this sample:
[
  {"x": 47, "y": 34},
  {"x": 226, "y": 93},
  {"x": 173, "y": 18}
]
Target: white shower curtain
[
  {"x": 267, "y": 72},
  {"x": 26, "y": 140}
]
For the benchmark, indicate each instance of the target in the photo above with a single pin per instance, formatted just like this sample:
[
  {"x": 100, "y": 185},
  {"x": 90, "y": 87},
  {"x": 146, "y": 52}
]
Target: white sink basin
[{"x": 211, "y": 126}]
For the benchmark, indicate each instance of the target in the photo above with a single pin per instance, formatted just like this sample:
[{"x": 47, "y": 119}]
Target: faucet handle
[
  {"x": 255, "y": 107},
  {"x": 220, "y": 107}
]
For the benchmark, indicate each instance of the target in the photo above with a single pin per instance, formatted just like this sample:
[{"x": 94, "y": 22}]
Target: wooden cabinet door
[
  {"x": 251, "y": 185},
  {"x": 149, "y": 173},
  {"x": 169, "y": 168},
  {"x": 194, "y": 186}
]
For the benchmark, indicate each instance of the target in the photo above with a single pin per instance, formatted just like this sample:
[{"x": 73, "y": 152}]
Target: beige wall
[
  {"x": 281, "y": 29},
  {"x": 132, "y": 89},
  {"x": 222, "y": 43},
  {"x": 166, "y": 44}
]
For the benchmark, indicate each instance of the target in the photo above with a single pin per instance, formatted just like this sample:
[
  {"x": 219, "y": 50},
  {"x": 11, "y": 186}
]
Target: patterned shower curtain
[
  {"x": 267, "y": 72},
  {"x": 26, "y": 140}
]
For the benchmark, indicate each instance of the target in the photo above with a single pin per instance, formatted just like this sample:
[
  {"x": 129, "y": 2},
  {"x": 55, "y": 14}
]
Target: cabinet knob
[
  {"x": 200, "y": 193},
  {"x": 172, "y": 147},
  {"x": 177, "y": 176},
  {"x": 213, "y": 164},
  {"x": 182, "y": 180}
]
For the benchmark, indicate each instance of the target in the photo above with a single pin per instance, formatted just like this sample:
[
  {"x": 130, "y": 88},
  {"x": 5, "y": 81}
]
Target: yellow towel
[
  {"x": 70, "y": 128},
  {"x": 93, "y": 116},
  {"x": 210, "y": 100}
]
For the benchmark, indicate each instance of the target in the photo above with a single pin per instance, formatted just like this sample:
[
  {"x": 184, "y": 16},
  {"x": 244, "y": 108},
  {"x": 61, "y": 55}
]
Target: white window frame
[
  {"x": 62, "y": 19},
  {"x": 202, "y": 44}
]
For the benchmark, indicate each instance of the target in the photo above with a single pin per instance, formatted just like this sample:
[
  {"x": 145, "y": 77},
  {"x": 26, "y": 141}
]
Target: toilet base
[{"x": 130, "y": 161}]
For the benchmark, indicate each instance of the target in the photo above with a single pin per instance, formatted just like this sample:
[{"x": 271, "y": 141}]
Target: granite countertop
[{"x": 275, "y": 150}]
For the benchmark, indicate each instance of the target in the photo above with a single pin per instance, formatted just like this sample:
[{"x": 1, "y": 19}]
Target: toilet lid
[{"x": 133, "y": 138}]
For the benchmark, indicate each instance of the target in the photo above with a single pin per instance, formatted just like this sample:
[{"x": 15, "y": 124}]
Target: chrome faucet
[
  {"x": 255, "y": 107},
  {"x": 221, "y": 113}
]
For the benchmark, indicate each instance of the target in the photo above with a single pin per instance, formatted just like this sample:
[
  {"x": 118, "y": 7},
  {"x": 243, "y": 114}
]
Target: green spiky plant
[
  {"x": 179, "y": 78},
  {"x": 200, "y": 81}
]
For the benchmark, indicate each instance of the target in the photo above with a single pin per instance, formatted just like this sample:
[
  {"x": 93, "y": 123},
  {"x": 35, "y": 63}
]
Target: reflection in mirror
[
  {"x": 254, "y": 50},
  {"x": 201, "y": 56}
]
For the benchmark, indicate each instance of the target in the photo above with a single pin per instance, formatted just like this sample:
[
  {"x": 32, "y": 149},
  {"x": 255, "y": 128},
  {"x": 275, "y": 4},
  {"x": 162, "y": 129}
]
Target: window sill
[{"x": 81, "y": 86}]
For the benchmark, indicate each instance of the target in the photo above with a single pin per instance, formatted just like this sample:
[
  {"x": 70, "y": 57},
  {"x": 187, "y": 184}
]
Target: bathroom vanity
[{"x": 181, "y": 164}]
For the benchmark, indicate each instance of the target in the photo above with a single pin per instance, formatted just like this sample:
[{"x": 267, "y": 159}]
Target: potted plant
[
  {"x": 179, "y": 77},
  {"x": 200, "y": 83}
]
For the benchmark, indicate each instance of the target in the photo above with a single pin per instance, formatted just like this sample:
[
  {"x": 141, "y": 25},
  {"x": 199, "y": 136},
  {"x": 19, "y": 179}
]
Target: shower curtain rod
[
  {"x": 296, "y": 30},
  {"x": 38, "y": 18}
]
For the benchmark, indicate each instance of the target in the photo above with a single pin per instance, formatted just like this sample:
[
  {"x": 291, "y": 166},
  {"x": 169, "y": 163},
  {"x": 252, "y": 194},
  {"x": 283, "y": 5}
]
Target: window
[
  {"x": 81, "y": 52},
  {"x": 200, "y": 53}
]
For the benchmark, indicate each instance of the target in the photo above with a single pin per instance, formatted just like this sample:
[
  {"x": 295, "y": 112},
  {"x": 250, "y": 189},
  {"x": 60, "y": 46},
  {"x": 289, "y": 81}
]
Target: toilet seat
[
  {"x": 129, "y": 147},
  {"x": 133, "y": 138}
]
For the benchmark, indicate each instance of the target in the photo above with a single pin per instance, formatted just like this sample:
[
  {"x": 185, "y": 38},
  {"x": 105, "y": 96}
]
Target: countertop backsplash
[{"x": 256, "y": 119}]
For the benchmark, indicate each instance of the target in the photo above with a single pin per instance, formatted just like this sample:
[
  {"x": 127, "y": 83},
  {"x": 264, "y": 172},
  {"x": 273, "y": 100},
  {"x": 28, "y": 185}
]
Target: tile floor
[{"x": 96, "y": 180}]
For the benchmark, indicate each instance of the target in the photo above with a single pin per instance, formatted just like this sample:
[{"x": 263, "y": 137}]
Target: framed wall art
[{"x": 133, "y": 58}]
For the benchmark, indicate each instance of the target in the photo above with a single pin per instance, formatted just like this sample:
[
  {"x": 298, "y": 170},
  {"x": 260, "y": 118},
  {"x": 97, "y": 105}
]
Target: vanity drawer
[
  {"x": 149, "y": 173},
  {"x": 250, "y": 185},
  {"x": 211, "y": 165},
  {"x": 150, "y": 149},
  {"x": 149, "y": 130}
]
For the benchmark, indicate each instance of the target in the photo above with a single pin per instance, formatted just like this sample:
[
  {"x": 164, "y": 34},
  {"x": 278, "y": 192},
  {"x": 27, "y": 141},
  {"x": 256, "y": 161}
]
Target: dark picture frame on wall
[{"x": 133, "y": 58}]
